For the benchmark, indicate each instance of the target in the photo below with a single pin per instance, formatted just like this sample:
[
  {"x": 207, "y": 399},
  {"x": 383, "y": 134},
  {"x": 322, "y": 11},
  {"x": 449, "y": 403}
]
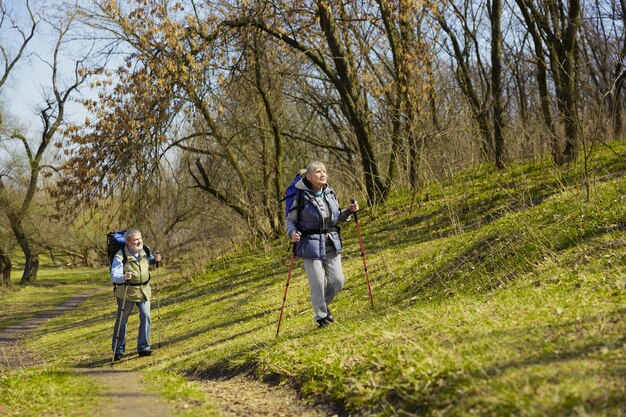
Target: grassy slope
[{"x": 503, "y": 294}]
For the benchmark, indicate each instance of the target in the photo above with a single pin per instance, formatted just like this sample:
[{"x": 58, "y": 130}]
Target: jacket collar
[{"x": 301, "y": 186}]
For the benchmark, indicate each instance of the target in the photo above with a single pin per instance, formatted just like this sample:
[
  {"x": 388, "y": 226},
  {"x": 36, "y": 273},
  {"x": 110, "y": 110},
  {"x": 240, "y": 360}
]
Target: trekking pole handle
[{"x": 356, "y": 216}]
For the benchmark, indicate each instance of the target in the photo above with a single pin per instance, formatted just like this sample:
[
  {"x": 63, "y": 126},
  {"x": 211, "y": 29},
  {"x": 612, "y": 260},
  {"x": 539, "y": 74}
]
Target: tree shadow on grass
[
  {"x": 489, "y": 263},
  {"x": 241, "y": 282},
  {"x": 452, "y": 381},
  {"x": 159, "y": 351}
]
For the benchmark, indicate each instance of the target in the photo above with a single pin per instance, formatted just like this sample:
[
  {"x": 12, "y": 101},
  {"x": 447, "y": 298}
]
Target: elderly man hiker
[{"x": 130, "y": 273}]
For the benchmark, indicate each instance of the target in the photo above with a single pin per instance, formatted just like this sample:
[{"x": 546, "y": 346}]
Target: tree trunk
[
  {"x": 31, "y": 267},
  {"x": 354, "y": 103},
  {"x": 544, "y": 97},
  {"x": 567, "y": 103},
  {"x": 520, "y": 82},
  {"x": 496, "y": 82},
  {"x": 620, "y": 78},
  {"x": 15, "y": 220},
  {"x": 400, "y": 73},
  {"x": 5, "y": 269},
  {"x": 617, "y": 104},
  {"x": 560, "y": 33},
  {"x": 542, "y": 81}
]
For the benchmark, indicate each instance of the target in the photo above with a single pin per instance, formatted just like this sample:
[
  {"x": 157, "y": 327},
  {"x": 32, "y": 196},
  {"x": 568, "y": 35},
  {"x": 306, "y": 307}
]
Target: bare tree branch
[{"x": 9, "y": 63}]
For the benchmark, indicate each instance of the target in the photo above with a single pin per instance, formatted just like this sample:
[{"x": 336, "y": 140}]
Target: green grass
[
  {"x": 53, "y": 286},
  {"x": 499, "y": 293},
  {"x": 46, "y": 391},
  {"x": 188, "y": 395},
  {"x": 57, "y": 389}
]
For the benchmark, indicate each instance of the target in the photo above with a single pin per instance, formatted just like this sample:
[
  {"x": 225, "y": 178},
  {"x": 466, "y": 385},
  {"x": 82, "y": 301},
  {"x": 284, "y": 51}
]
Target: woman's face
[{"x": 317, "y": 178}]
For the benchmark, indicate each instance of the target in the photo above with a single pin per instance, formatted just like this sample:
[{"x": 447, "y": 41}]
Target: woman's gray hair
[
  {"x": 130, "y": 233},
  {"x": 313, "y": 166}
]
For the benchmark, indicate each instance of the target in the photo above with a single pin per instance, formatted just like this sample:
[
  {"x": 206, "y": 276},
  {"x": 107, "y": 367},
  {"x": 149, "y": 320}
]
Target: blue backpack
[{"x": 291, "y": 194}]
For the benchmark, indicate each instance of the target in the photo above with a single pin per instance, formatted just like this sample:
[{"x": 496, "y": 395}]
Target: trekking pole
[
  {"x": 156, "y": 264},
  {"x": 119, "y": 324},
  {"x": 293, "y": 256},
  {"x": 358, "y": 232}
]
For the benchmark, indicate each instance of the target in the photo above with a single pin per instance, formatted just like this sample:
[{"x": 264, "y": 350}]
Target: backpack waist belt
[
  {"x": 319, "y": 231},
  {"x": 136, "y": 284}
]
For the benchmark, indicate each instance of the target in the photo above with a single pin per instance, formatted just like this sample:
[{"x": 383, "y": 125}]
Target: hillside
[{"x": 497, "y": 293}]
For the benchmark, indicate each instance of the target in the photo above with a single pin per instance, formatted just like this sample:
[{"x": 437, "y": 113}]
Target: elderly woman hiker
[{"x": 312, "y": 224}]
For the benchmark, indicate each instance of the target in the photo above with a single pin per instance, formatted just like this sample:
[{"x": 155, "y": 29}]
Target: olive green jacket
[{"x": 139, "y": 288}]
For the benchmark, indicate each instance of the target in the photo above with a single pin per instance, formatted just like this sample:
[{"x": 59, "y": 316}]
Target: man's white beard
[{"x": 136, "y": 248}]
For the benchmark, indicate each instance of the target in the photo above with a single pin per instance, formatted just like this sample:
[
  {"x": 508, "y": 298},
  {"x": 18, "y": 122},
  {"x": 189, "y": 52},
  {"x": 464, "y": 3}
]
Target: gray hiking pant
[{"x": 325, "y": 280}]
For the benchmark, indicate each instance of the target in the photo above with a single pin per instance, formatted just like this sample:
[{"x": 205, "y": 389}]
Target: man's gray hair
[
  {"x": 313, "y": 166},
  {"x": 130, "y": 233}
]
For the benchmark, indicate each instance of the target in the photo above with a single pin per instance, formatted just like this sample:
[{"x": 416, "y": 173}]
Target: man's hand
[
  {"x": 128, "y": 276},
  {"x": 295, "y": 237}
]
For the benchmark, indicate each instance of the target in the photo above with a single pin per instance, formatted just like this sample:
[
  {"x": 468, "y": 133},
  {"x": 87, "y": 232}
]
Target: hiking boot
[
  {"x": 323, "y": 322},
  {"x": 118, "y": 357},
  {"x": 330, "y": 316},
  {"x": 145, "y": 353}
]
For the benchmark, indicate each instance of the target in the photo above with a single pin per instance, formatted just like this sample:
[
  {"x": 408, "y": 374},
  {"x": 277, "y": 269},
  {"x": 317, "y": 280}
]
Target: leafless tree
[
  {"x": 557, "y": 23},
  {"x": 9, "y": 60},
  {"x": 604, "y": 50},
  {"x": 34, "y": 147},
  {"x": 461, "y": 22}
]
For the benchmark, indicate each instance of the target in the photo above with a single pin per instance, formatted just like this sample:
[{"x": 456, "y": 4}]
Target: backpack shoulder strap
[
  {"x": 299, "y": 204},
  {"x": 125, "y": 257}
]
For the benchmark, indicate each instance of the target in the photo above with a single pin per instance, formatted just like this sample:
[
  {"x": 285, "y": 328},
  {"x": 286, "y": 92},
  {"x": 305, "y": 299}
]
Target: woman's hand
[
  {"x": 295, "y": 237},
  {"x": 353, "y": 207}
]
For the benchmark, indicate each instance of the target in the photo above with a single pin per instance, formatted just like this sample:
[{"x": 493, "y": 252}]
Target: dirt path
[
  {"x": 123, "y": 392},
  {"x": 241, "y": 396},
  {"x": 12, "y": 355}
]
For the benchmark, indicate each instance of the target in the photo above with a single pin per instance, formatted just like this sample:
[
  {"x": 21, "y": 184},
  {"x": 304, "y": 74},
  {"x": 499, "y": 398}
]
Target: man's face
[{"x": 135, "y": 243}]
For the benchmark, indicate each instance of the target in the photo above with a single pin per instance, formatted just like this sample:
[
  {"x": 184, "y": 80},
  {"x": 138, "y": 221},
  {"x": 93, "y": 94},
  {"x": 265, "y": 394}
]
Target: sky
[
  {"x": 24, "y": 92},
  {"x": 30, "y": 81}
]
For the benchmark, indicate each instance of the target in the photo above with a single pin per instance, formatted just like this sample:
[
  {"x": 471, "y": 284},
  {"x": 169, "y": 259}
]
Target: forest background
[{"x": 187, "y": 119}]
